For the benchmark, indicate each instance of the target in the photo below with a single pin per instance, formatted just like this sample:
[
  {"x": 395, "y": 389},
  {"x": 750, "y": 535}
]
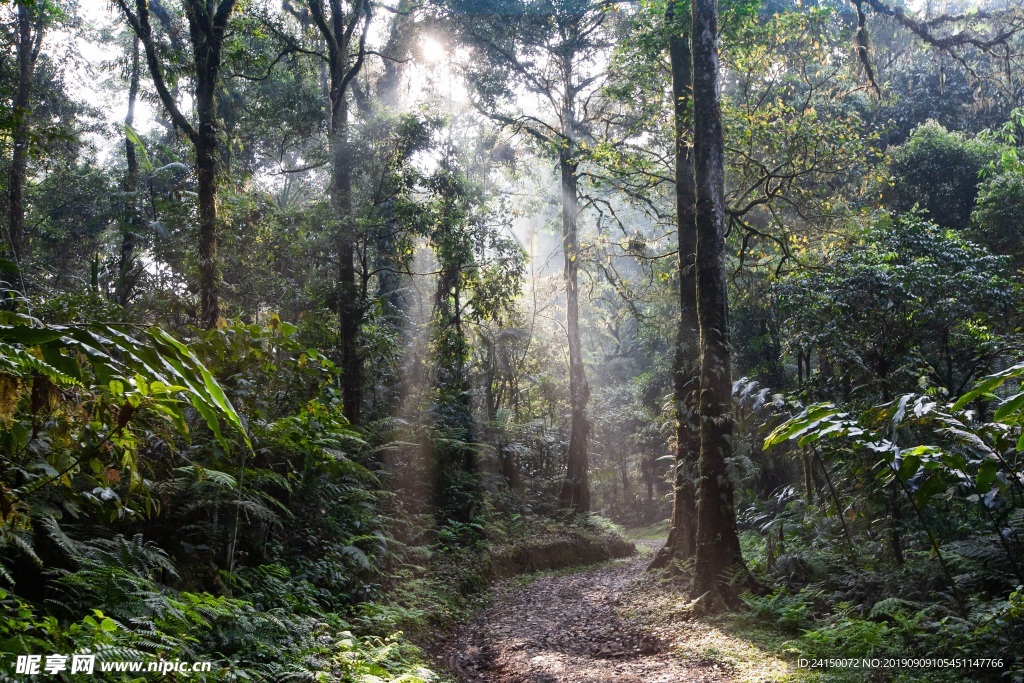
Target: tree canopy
[{"x": 319, "y": 316}]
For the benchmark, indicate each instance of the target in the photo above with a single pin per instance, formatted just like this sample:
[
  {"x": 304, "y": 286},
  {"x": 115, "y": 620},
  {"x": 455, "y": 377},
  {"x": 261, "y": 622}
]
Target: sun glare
[{"x": 432, "y": 50}]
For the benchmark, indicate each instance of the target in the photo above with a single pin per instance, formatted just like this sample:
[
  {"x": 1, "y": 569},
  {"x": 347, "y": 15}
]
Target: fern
[
  {"x": 15, "y": 539},
  {"x": 16, "y": 361},
  {"x": 54, "y": 532},
  {"x": 980, "y": 548},
  {"x": 892, "y": 606}
]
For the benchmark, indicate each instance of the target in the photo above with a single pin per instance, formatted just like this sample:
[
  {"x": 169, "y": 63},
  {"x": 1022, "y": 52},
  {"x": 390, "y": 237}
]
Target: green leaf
[
  {"x": 29, "y": 336},
  {"x": 134, "y": 138},
  {"x": 986, "y": 475},
  {"x": 212, "y": 422},
  {"x": 172, "y": 409},
  {"x": 908, "y": 467},
  {"x": 932, "y": 486},
  {"x": 987, "y": 385},
  {"x": 1011, "y": 407},
  {"x": 64, "y": 364},
  {"x": 808, "y": 418},
  {"x": 922, "y": 451},
  {"x": 162, "y": 366},
  {"x": 983, "y": 387},
  {"x": 213, "y": 393}
]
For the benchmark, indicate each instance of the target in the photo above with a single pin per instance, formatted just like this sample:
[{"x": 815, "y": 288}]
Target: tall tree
[
  {"x": 397, "y": 52},
  {"x": 126, "y": 265},
  {"x": 549, "y": 49},
  {"x": 337, "y": 23},
  {"x": 28, "y": 40},
  {"x": 390, "y": 236},
  {"x": 575, "y": 491},
  {"x": 452, "y": 237},
  {"x": 718, "y": 554},
  {"x": 790, "y": 166},
  {"x": 682, "y": 536},
  {"x": 207, "y": 24}
]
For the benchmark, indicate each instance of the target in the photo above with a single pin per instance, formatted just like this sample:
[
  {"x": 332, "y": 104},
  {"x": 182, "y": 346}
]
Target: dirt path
[{"x": 572, "y": 628}]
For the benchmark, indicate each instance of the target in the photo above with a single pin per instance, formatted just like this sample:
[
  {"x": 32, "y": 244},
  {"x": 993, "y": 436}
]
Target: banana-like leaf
[
  {"x": 116, "y": 357},
  {"x": 816, "y": 421}
]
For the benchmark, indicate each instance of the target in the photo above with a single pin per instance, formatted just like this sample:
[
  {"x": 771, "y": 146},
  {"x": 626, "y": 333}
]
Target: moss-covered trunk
[{"x": 718, "y": 555}]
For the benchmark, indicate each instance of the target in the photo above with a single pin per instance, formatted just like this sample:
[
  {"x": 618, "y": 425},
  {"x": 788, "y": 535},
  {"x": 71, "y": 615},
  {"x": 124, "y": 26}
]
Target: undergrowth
[
  {"x": 834, "y": 610},
  {"x": 134, "y": 529}
]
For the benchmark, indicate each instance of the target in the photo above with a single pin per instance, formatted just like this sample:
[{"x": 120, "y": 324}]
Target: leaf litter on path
[{"x": 582, "y": 627}]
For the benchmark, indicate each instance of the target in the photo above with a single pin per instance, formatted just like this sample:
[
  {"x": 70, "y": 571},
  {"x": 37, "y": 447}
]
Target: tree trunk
[
  {"x": 126, "y": 271},
  {"x": 808, "y": 475},
  {"x": 207, "y": 68},
  {"x": 399, "y": 46},
  {"x": 718, "y": 554},
  {"x": 895, "y": 525},
  {"x": 30, "y": 34},
  {"x": 349, "y": 310},
  {"x": 624, "y": 473},
  {"x": 392, "y": 288},
  {"x": 509, "y": 468},
  {"x": 337, "y": 31},
  {"x": 458, "y": 490},
  {"x": 207, "y": 26},
  {"x": 391, "y": 282},
  {"x": 575, "y": 492},
  {"x": 682, "y": 536}
]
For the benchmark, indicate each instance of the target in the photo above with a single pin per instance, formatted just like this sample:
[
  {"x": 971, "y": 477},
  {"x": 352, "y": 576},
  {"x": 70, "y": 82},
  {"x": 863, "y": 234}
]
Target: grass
[
  {"x": 751, "y": 654},
  {"x": 655, "y": 532},
  {"x": 759, "y": 641}
]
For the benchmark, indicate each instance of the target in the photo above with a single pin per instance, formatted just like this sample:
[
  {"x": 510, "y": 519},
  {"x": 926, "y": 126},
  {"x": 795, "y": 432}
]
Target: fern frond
[{"x": 12, "y": 538}]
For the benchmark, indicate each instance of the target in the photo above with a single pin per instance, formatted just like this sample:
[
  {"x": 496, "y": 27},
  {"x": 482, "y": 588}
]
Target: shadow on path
[{"x": 572, "y": 629}]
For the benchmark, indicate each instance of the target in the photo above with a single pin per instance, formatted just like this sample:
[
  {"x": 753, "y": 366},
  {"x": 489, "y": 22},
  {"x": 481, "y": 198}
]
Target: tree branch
[{"x": 143, "y": 29}]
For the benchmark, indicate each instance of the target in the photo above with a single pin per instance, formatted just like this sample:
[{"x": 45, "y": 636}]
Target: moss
[{"x": 10, "y": 395}]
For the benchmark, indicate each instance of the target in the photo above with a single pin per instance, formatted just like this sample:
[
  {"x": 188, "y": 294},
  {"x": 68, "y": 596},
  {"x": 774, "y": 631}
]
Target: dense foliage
[{"x": 318, "y": 316}]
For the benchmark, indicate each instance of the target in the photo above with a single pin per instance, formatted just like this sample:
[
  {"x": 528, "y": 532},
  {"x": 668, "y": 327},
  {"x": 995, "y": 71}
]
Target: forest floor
[{"x": 601, "y": 624}]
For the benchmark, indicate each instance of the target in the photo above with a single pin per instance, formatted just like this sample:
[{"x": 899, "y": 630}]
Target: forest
[{"x": 522, "y": 341}]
